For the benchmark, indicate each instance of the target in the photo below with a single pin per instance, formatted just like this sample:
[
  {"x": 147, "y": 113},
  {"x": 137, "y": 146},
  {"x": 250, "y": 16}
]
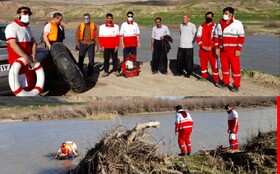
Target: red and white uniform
[
  {"x": 23, "y": 36},
  {"x": 109, "y": 36},
  {"x": 130, "y": 31},
  {"x": 205, "y": 37},
  {"x": 230, "y": 37},
  {"x": 183, "y": 126},
  {"x": 233, "y": 128}
]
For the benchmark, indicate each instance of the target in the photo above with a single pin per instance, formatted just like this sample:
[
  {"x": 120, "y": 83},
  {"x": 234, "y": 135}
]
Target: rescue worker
[
  {"x": 53, "y": 30},
  {"x": 130, "y": 36},
  {"x": 109, "y": 40},
  {"x": 183, "y": 128},
  {"x": 21, "y": 43},
  {"x": 64, "y": 152},
  {"x": 229, "y": 40},
  {"x": 72, "y": 146},
  {"x": 185, "y": 50},
  {"x": 86, "y": 42},
  {"x": 205, "y": 40},
  {"x": 232, "y": 127},
  {"x": 159, "y": 59}
]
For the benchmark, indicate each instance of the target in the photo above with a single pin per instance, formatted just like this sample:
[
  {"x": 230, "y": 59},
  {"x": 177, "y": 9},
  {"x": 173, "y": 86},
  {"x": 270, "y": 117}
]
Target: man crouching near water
[
  {"x": 64, "y": 152},
  {"x": 232, "y": 127},
  {"x": 183, "y": 128}
]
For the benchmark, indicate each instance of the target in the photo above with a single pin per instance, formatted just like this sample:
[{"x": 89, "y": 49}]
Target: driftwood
[
  {"x": 125, "y": 151},
  {"x": 140, "y": 127}
]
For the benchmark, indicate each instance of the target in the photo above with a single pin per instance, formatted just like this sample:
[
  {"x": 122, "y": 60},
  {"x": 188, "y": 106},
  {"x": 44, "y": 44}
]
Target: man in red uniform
[
  {"x": 229, "y": 39},
  {"x": 20, "y": 43},
  {"x": 232, "y": 127},
  {"x": 205, "y": 40},
  {"x": 183, "y": 128},
  {"x": 109, "y": 40}
]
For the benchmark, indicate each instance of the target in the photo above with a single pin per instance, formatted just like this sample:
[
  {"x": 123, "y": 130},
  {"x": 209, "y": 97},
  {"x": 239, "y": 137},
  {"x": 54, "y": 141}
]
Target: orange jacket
[
  {"x": 53, "y": 35},
  {"x": 93, "y": 30},
  {"x": 65, "y": 149}
]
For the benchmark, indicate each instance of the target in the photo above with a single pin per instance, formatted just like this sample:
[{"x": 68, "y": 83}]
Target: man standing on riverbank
[
  {"x": 130, "y": 35},
  {"x": 21, "y": 44},
  {"x": 109, "y": 40},
  {"x": 205, "y": 40},
  {"x": 229, "y": 40},
  {"x": 232, "y": 127},
  {"x": 159, "y": 60},
  {"x": 86, "y": 42},
  {"x": 185, "y": 50},
  {"x": 183, "y": 128},
  {"x": 53, "y": 30}
]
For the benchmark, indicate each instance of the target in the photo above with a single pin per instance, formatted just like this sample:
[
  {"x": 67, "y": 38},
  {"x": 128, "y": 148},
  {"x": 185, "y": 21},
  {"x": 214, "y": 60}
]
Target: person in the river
[{"x": 64, "y": 152}]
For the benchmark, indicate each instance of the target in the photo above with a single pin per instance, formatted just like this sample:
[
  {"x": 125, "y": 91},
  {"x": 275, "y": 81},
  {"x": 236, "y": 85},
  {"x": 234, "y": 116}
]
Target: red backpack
[{"x": 130, "y": 67}]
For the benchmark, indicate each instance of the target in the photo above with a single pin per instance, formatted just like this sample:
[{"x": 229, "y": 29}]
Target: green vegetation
[{"x": 249, "y": 11}]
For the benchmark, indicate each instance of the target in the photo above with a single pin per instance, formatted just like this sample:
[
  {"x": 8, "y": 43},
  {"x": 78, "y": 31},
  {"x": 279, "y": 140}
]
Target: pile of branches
[
  {"x": 257, "y": 153},
  {"x": 124, "y": 151}
]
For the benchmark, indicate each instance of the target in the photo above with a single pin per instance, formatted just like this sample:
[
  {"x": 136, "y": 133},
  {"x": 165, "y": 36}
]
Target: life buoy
[{"x": 14, "y": 83}]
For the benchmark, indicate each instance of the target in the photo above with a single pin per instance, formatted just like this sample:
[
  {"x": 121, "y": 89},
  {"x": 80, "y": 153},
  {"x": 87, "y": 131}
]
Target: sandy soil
[{"x": 148, "y": 84}]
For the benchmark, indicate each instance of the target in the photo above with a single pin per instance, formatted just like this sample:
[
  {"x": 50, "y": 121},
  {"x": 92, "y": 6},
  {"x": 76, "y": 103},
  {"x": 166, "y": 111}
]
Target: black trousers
[
  {"x": 110, "y": 52},
  {"x": 185, "y": 60},
  {"x": 159, "y": 60},
  {"x": 82, "y": 54}
]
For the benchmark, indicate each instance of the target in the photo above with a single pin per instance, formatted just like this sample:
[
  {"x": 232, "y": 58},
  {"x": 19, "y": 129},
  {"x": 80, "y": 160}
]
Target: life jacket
[
  {"x": 54, "y": 32},
  {"x": 130, "y": 66},
  {"x": 64, "y": 150},
  {"x": 82, "y": 29}
]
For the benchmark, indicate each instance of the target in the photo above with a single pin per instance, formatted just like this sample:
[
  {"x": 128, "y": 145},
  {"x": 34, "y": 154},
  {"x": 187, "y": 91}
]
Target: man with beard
[{"x": 21, "y": 44}]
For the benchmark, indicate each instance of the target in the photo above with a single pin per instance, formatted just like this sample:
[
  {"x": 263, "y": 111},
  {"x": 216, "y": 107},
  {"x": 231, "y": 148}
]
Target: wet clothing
[
  {"x": 205, "y": 37},
  {"x": 230, "y": 37},
  {"x": 233, "y": 139},
  {"x": 183, "y": 126},
  {"x": 23, "y": 36}
]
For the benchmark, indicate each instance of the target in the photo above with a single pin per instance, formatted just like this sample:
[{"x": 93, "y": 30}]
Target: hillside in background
[{"x": 259, "y": 15}]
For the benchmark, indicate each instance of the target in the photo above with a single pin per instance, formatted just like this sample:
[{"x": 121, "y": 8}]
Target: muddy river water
[{"x": 29, "y": 147}]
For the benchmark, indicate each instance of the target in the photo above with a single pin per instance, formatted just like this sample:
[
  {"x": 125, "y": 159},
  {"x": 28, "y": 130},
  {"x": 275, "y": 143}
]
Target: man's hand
[
  {"x": 138, "y": 45},
  {"x": 176, "y": 133},
  {"x": 34, "y": 58},
  {"x": 206, "y": 48},
  {"x": 96, "y": 48},
  {"x": 116, "y": 48},
  {"x": 152, "y": 49},
  {"x": 217, "y": 51},
  {"x": 77, "y": 47},
  {"x": 237, "y": 53},
  {"x": 102, "y": 48}
]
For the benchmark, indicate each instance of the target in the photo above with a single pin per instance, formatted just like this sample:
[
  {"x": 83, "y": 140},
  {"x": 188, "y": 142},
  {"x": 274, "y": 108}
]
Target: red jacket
[
  {"x": 205, "y": 35},
  {"x": 183, "y": 121}
]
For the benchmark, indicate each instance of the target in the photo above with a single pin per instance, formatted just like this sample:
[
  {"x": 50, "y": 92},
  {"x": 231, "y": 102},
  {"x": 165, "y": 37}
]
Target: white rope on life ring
[{"x": 14, "y": 83}]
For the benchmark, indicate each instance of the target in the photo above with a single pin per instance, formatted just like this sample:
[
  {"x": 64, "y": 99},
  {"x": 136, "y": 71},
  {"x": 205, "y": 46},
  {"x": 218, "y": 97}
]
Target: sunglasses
[{"x": 129, "y": 16}]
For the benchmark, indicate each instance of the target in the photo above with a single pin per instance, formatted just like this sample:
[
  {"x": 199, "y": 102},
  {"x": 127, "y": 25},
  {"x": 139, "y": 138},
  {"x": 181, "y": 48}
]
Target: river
[
  {"x": 259, "y": 52},
  {"x": 29, "y": 147}
]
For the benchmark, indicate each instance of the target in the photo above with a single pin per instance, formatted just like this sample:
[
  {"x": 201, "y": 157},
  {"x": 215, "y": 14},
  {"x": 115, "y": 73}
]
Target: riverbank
[
  {"x": 135, "y": 154},
  {"x": 98, "y": 108}
]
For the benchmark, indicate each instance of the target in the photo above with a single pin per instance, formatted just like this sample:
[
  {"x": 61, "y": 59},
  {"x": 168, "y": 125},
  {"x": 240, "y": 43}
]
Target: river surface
[
  {"x": 29, "y": 147},
  {"x": 259, "y": 52}
]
